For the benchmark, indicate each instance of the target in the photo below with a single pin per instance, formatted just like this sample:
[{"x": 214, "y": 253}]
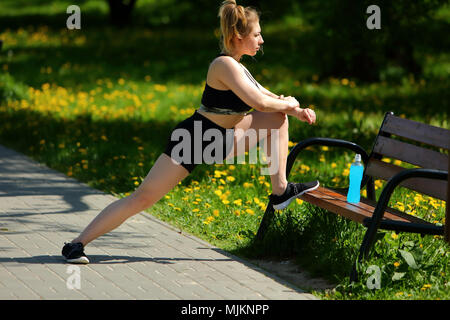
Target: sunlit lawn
[{"x": 98, "y": 105}]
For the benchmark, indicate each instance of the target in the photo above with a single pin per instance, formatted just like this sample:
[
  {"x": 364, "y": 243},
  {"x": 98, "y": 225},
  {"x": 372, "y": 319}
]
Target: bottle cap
[{"x": 358, "y": 158}]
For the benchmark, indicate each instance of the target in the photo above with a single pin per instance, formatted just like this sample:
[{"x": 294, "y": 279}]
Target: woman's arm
[
  {"x": 232, "y": 76},
  {"x": 306, "y": 114},
  {"x": 267, "y": 92},
  {"x": 264, "y": 90}
]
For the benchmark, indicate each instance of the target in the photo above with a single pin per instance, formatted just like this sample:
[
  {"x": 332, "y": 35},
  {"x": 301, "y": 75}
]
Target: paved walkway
[{"x": 144, "y": 258}]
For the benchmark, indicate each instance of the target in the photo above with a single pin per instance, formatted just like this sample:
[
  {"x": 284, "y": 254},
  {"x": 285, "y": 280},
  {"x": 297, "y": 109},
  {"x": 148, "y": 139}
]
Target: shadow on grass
[{"x": 318, "y": 241}]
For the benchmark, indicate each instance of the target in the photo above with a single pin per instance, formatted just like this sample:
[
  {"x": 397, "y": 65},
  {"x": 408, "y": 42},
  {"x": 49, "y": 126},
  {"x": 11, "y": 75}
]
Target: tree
[
  {"x": 120, "y": 11},
  {"x": 344, "y": 46}
]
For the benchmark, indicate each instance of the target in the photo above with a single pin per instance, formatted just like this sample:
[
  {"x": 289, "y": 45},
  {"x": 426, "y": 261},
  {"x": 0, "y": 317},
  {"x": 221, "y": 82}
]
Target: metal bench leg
[
  {"x": 366, "y": 244},
  {"x": 265, "y": 222}
]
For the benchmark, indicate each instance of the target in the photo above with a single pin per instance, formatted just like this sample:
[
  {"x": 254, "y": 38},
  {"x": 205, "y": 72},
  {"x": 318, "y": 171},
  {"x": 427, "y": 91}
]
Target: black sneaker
[
  {"x": 293, "y": 190},
  {"x": 74, "y": 253}
]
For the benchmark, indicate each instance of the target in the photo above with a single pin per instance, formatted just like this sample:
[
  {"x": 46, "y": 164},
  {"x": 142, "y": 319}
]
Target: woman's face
[{"x": 252, "y": 42}]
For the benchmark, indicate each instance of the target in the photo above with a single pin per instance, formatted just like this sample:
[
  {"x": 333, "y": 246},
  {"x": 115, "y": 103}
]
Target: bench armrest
[
  {"x": 330, "y": 142},
  {"x": 393, "y": 183}
]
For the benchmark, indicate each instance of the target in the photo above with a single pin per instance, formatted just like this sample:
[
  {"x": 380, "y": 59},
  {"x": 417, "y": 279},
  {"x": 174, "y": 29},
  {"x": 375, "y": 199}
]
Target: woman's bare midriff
[{"x": 226, "y": 121}]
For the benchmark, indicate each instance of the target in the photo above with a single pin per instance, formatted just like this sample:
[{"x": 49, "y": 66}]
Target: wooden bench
[{"x": 393, "y": 141}]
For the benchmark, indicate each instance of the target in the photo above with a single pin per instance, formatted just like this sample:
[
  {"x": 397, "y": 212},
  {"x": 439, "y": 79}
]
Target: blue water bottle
[{"x": 356, "y": 173}]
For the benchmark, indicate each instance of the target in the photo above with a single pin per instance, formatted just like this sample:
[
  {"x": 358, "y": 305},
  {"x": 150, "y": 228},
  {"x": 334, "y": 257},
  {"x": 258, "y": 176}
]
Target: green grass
[{"x": 99, "y": 103}]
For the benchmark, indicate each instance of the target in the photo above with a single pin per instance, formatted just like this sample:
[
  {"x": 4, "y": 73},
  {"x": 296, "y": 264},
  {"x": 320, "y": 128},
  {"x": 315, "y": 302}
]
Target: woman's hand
[
  {"x": 306, "y": 115},
  {"x": 291, "y": 100}
]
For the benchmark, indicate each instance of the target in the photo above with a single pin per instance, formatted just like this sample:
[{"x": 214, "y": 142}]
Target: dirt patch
[{"x": 289, "y": 271}]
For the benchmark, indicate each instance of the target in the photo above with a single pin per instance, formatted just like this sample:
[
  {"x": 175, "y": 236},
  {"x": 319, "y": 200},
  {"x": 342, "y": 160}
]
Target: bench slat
[
  {"x": 337, "y": 203},
  {"x": 417, "y": 131},
  {"x": 433, "y": 188},
  {"x": 412, "y": 154}
]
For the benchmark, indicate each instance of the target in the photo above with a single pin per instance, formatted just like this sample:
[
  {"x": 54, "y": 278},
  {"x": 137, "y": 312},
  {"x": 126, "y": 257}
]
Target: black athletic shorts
[{"x": 198, "y": 140}]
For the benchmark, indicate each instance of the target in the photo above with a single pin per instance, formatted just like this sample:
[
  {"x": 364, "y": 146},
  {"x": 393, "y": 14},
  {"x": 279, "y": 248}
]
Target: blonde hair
[{"x": 235, "y": 20}]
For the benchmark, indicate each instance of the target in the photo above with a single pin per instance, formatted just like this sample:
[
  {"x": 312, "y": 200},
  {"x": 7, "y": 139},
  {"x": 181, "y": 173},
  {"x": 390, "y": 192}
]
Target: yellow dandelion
[
  {"x": 250, "y": 211},
  {"x": 394, "y": 235},
  {"x": 400, "y": 206},
  {"x": 425, "y": 287},
  {"x": 238, "y": 202},
  {"x": 230, "y": 178},
  {"x": 237, "y": 213},
  {"x": 396, "y": 264},
  {"x": 216, "y": 213},
  {"x": 304, "y": 167}
]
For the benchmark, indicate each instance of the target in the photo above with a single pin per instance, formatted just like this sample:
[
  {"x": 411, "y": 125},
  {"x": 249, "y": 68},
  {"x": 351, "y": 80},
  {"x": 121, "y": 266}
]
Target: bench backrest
[{"x": 416, "y": 143}]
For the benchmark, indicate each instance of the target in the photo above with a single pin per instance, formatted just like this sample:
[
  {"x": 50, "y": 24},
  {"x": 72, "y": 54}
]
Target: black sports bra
[{"x": 224, "y": 101}]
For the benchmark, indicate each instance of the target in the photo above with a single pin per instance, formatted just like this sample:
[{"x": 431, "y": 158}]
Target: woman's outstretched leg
[{"x": 163, "y": 177}]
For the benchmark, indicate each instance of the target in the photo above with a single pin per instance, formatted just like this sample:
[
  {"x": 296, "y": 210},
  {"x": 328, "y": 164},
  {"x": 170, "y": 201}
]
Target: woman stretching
[{"x": 230, "y": 94}]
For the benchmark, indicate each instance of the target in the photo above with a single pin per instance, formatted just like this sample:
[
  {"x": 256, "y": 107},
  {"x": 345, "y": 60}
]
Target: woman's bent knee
[{"x": 280, "y": 121}]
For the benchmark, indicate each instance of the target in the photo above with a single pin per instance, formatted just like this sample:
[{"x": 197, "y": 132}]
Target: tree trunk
[
  {"x": 120, "y": 11},
  {"x": 402, "y": 52}
]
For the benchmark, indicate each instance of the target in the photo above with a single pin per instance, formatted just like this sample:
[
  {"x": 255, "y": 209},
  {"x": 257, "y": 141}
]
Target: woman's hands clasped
[{"x": 306, "y": 115}]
